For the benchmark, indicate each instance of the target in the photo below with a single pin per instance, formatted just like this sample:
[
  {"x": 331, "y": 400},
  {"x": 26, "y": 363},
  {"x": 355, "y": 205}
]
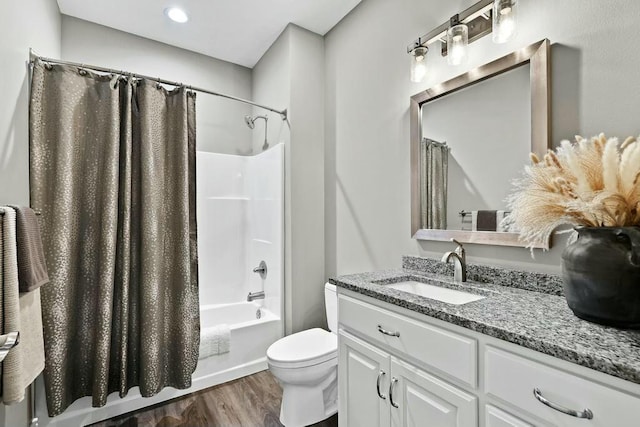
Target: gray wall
[
  {"x": 291, "y": 75},
  {"x": 595, "y": 89},
  {"x": 220, "y": 122},
  {"x": 23, "y": 25},
  {"x": 271, "y": 85}
]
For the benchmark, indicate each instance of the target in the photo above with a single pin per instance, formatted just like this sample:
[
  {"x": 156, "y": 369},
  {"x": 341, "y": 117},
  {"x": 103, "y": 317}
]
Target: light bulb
[
  {"x": 418, "y": 64},
  {"x": 457, "y": 43},
  {"x": 505, "y": 13},
  {"x": 176, "y": 14}
]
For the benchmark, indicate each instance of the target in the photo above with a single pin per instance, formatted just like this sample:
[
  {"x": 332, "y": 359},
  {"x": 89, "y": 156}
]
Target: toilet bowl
[{"x": 306, "y": 366}]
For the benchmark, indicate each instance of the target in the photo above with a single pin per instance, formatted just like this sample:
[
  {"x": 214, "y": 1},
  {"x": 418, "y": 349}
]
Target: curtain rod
[{"x": 33, "y": 56}]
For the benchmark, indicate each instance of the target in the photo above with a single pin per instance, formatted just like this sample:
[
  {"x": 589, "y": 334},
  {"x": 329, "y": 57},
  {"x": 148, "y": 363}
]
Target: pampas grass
[{"x": 592, "y": 183}]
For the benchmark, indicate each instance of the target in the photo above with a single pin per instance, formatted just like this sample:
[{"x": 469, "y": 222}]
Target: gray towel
[
  {"x": 20, "y": 313},
  {"x": 32, "y": 268},
  {"x": 487, "y": 221}
]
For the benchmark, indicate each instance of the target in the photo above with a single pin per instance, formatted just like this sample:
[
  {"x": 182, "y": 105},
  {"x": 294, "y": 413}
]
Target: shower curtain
[
  {"x": 434, "y": 159},
  {"x": 113, "y": 172}
]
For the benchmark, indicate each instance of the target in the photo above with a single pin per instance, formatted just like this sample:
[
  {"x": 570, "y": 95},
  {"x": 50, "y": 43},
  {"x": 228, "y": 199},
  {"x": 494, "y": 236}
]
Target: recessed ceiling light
[{"x": 176, "y": 14}]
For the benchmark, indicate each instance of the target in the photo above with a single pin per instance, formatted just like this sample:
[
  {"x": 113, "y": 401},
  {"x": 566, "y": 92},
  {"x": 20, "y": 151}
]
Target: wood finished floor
[{"x": 252, "y": 401}]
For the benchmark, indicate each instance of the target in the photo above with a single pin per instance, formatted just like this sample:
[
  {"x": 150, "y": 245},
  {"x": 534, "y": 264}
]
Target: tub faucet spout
[
  {"x": 459, "y": 262},
  {"x": 255, "y": 295}
]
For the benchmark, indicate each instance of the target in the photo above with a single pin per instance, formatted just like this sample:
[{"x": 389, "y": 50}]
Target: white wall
[
  {"x": 265, "y": 234},
  {"x": 23, "y": 25},
  {"x": 291, "y": 75},
  {"x": 240, "y": 223},
  {"x": 220, "y": 122},
  {"x": 223, "y": 223},
  {"x": 595, "y": 88}
]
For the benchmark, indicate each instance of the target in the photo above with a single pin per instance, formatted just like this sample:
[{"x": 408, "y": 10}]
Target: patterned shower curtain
[
  {"x": 113, "y": 172},
  {"x": 434, "y": 159}
]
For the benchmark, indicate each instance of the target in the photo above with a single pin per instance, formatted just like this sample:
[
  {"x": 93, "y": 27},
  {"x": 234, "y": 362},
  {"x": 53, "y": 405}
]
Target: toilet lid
[{"x": 304, "y": 348}]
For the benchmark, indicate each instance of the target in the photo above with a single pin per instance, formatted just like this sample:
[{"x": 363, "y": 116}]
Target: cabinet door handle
[
  {"x": 386, "y": 332},
  {"x": 393, "y": 382},
  {"x": 380, "y": 375},
  {"x": 587, "y": 414}
]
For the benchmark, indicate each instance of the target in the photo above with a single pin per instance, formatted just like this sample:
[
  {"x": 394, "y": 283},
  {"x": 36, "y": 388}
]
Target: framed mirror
[{"x": 470, "y": 137}]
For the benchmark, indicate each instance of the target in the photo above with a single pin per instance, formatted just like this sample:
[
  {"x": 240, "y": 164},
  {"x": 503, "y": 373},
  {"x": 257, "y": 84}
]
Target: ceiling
[{"x": 238, "y": 31}]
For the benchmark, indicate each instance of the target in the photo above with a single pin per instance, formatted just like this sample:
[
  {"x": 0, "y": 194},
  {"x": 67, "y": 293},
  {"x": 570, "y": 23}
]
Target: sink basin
[{"x": 449, "y": 296}]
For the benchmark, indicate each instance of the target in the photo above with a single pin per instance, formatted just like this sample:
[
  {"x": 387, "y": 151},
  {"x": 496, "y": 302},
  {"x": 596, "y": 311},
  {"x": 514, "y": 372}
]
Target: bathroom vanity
[{"x": 505, "y": 350}]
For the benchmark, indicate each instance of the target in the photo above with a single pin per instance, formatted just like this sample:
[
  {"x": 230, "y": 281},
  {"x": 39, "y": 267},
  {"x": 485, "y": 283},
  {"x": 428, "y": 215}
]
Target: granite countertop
[{"x": 540, "y": 321}]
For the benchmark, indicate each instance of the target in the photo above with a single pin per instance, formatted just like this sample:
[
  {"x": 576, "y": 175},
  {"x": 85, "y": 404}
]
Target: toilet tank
[{"x": 331, "y": 306}]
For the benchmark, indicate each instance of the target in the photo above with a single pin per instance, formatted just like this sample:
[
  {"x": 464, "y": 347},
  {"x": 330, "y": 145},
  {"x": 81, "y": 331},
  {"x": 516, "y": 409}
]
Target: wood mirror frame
[{"x": 538, "y": 57}]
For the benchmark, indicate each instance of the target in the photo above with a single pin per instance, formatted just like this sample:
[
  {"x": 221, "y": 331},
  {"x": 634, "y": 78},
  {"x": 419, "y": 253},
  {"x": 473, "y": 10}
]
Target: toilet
[{"x": 306, "y": 366}]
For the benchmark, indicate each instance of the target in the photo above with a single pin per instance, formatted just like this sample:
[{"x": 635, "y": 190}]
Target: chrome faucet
[
  {"x": 459, "y": 262},
  {"x": 255, "y": 295}
]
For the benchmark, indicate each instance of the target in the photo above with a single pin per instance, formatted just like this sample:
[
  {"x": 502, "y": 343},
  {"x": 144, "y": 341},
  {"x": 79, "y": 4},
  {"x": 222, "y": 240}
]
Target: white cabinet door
[
  {"x": 420, "y": 399},
  {"x": 495, "y": 417},
  {"x": 362, "y": 371}
]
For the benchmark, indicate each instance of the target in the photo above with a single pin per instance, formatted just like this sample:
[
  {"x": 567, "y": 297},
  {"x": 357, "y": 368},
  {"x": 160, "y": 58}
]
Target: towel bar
[
  {"x": 464, "y": 213},
  {"x": 38, "y": 213}
]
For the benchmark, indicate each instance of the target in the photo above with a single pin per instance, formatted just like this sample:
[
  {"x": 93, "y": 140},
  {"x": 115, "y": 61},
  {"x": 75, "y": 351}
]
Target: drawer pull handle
[
  {"x": 384, "y": 331},
  {"x": 394, "y": 380},
  {"x": 380, "y": 375},
  {"x": 587, "y": 414}
]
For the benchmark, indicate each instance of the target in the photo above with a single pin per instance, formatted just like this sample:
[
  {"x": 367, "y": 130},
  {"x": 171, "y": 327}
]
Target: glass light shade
[
  {"x": 457, "y": 44},
  {"x": 418, "y": 64},
  {"x": 505, "y": 15}
]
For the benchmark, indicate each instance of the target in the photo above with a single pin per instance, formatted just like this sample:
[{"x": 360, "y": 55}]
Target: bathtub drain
[{"x": 258, "y": 313}]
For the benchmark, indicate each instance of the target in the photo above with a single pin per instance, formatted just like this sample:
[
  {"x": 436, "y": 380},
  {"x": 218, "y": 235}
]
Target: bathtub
[{"x": 253, "y": 330}]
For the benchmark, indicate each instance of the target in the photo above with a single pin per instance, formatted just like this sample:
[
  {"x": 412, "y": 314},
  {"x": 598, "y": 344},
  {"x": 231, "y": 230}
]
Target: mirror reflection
[
  {"x": 470, "y": 136},
  {"x": 474, "y": 143}
]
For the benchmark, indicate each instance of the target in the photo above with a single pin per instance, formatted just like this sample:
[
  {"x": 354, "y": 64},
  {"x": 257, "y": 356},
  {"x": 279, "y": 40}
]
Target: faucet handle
[{"x": 460, "y": 249}]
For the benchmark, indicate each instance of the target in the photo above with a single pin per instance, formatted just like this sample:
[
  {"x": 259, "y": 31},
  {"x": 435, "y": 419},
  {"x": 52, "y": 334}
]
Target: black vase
[{"x": 601, "y": 274}]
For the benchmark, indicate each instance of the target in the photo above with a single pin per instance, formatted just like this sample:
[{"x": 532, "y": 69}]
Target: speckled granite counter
[{"x": 541, "y": 321}]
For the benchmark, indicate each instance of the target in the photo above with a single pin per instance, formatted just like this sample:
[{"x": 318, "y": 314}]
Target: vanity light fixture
[
  {"x": 464, "y": 28},
  {"x": 176, "y": 14},
  {"x": 457, "y": 41},
  {"x": 505, "y": 14},
  {"x": 418, "y": 63}
]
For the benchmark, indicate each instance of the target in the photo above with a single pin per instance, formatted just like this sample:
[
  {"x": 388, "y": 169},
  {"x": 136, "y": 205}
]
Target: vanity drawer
[
  {"x": 453, "y": 354},
  {"x": 495, "y": 417},
  {"x": 513, "y": 379}
]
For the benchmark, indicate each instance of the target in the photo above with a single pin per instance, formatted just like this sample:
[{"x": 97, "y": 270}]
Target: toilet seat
[{"x": 303, "y": 349}]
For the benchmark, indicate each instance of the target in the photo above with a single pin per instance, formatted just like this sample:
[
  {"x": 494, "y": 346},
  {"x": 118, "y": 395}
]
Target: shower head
[{"x": 250, "y": 121}]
